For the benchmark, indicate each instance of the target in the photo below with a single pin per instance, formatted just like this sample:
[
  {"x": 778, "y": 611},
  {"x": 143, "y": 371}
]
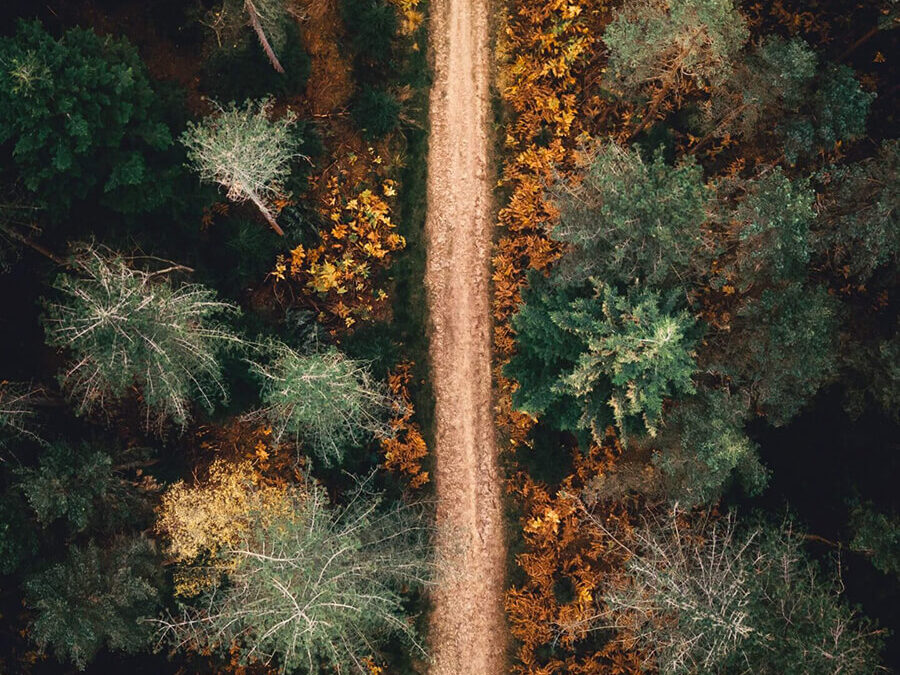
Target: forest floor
[{"x": 468, "y": 631}]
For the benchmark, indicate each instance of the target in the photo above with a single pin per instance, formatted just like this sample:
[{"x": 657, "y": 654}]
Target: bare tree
[
  {"x": 700, "y": 595},
  {"x": 128, "y": 328},
  {"x": 700, "y": 577},
  {"x": 245, "y": 152},
  {"x": 324, "y": 399},
  {"x": 314, "y": 586}
]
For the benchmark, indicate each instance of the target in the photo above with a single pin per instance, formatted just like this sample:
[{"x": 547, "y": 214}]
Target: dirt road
[{"x": 468, "y": 632}]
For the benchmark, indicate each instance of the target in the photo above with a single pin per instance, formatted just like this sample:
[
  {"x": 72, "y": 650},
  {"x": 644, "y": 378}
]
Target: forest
[
  {"x": 219, "y": 439},
  {"x": 212, "y": 458},
  {"x": 694, "y": 300}
]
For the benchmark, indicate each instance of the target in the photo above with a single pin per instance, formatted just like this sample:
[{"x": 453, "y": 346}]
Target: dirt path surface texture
[{"x": 468, "y": 630}]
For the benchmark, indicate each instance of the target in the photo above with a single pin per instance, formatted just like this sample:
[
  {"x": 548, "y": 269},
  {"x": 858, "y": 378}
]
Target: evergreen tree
[
  {"x": 630, "y": 353},
  {"x": 371, "y": 26},
  {"x": 773, "y": 217},
  {"x": 313, "y": 587},
  {"x": 872, "y": 373},
  {"x": 877, "y": 534},
  {"x": 781, "y": 92},
  {"x": 783, "y": 349},
  {"x": 545, "y": 353},
  {"x": 95, "y": 598},
  {"x": 772, "y": 82},
  {"x": 246, "y": 153},
  {"x": 658, "y": 46},
  {"x": 128, "y": 328},
  {"x": 631, "y": 220},
  {"x": 376, "y": 112},
  {"x": 836, "y": 112},
  {"x": 267, "y": 18},
  {"x": 706, "y": 449},
  {"x": 72, "y": 482},
  {"x": 79, "y": 117},
  {"x": 18, "y": 538},
  {"x": 859, "y": 214},
  {"x": 327, "y": 400},
  {"x": 642, "y": 349}
]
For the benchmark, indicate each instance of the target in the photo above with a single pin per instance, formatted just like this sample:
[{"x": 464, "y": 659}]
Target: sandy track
[{"x": 468, "y": 631}]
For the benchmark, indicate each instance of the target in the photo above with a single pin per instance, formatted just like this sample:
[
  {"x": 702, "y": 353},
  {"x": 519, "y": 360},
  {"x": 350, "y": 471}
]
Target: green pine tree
[
  {"x": 631, "y": 221},
  {"x": 616, "y": 357},
  {"x": 95, "y": 598},
  {"x": 80, "y": 117}
]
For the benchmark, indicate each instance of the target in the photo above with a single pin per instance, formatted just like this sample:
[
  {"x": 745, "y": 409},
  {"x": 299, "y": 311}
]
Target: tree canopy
[
  {"x": 715, "y": 598},
  {"x": 127, "y": 328},
  {"x": 241, "y": 149},
  {"x": 612, "y": 357},
  {"x": 78, "y": 118},
  {"x": 631, "y": 221},
  {"x": 311, "y": 586},
  {"x": 324, "y": 399},
  {"x": 95, "y": 598}
]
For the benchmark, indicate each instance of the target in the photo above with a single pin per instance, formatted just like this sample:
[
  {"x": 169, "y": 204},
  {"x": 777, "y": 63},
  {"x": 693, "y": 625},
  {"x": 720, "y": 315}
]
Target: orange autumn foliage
[
  {"x": 552, "y": 63},
  {"x": 403, "y": 452},
  {"x": 241, "y": 440},
  {"x": 564, "y": 549},
  {"x": 356, "y": 243},
  {"x": 549, "y": 80}
]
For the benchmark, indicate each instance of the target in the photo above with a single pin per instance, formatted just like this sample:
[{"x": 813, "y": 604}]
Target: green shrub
[
  {"x": 78, "y": 119},
  {"x": 376, "y": 112}
]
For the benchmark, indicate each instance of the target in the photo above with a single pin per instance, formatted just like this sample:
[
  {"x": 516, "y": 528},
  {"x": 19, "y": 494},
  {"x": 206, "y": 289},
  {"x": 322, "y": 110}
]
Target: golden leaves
[
  {"x": 216, "y": 513},
  {"x": 550, "y": 83},
  {"x": 403, "y": 452},
  {"x": 358, "y": 239}
]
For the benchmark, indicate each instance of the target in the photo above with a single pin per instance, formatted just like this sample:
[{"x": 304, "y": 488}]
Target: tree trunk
[
  {"x": 263, "y": 40},
  {"x": 47, "y": 253},
  {"x": 266, "y": 214}
]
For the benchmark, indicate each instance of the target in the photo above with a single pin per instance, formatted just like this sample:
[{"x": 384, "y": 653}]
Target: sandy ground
[{"x": 468, "y": 631}]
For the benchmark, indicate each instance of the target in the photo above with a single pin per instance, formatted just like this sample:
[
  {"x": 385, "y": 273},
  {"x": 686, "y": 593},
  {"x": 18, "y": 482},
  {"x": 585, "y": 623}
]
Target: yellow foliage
[
  {"x": 358, "y": 240},
  {"x": 200, "y": 519}
]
